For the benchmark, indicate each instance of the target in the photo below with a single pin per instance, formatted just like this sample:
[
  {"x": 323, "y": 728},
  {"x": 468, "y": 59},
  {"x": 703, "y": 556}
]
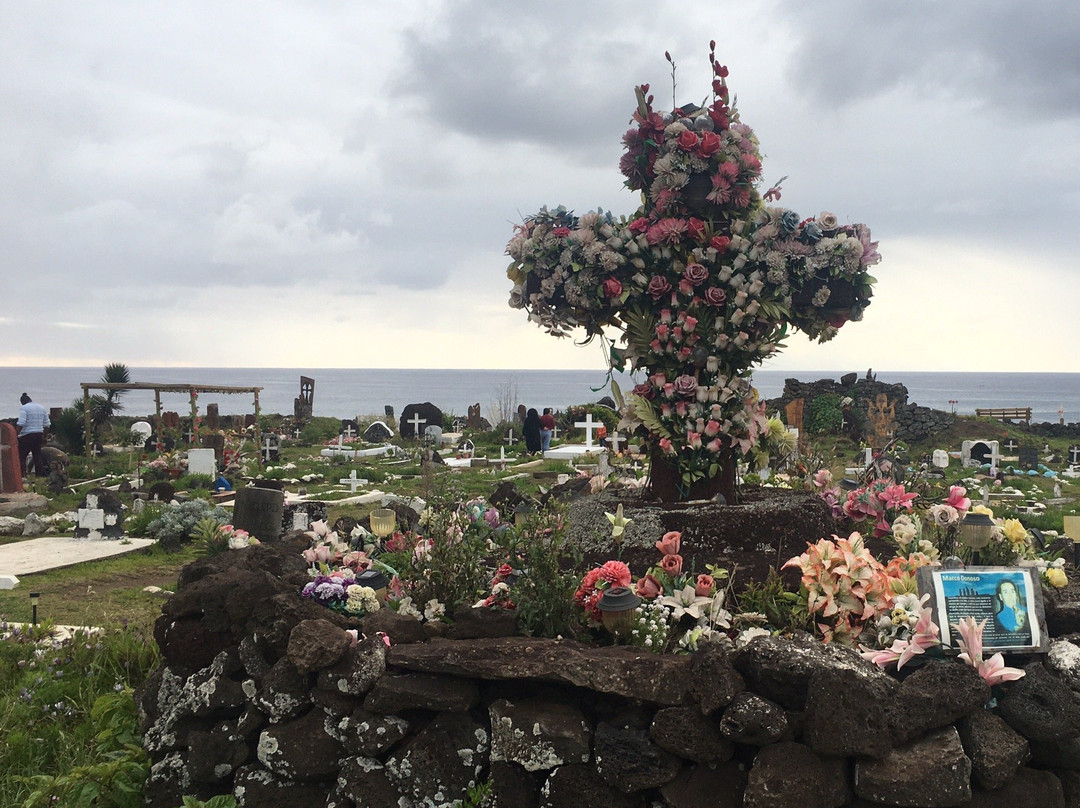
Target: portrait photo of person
[{"x": 1009, "y": 611}]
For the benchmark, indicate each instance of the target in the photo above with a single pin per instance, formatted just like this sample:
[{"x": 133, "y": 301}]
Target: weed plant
[{"x": 69, "y": 720}]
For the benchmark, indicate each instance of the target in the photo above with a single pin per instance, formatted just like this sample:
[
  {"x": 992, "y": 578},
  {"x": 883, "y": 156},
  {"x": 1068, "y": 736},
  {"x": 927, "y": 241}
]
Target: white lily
[
  {"x": 686, "y": 601},
  {"x": 619, "y": 523}
]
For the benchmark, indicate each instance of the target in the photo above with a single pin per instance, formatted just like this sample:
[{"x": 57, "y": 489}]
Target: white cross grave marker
[
  {"x": 1011, "y": 445},
  {"x": 349, "y": 432},
  {"x": 353, "y": 481},
  {"x": 296, "y": 433},
  {"x": 267, "y": 448},
  {"x": 554, "y": 432},
  {"x": 615, "y": 439},
  {"x": 416, "y": 420},
  {"x": 588, "y": 425},
  {"x": 1074, "y": 455},
  {"x": 189, "y": 435},
  {"x": 510, "y": 439}
]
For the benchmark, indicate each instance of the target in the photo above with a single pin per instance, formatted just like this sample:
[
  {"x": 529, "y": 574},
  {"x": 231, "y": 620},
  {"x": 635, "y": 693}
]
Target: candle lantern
[{"x": 617, "y": 609}]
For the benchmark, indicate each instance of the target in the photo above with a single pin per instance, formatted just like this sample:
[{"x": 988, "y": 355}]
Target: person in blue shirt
[
  {"x": 32, "y": 423},
  {"x": 1011, "y": 614}
]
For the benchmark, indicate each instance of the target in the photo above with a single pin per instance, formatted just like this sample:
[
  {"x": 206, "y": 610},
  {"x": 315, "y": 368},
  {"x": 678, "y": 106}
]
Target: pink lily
[
  {"x": 958, "y": 499},
  {"x": 894, "y": 496},
  {"x": 993, "y": 670}
]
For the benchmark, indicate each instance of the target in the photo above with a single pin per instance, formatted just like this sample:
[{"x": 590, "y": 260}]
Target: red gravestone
[{"x": 10, "y": 468}]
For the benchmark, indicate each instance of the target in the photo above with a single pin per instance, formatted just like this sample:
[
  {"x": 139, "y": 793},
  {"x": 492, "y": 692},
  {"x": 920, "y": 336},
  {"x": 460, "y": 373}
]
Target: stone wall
[
  {"x": 913, "y": 423},
  {"x": 261, "y": 694}
]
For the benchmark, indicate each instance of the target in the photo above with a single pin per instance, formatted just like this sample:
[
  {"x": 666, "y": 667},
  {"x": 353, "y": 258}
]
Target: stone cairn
[{"x": 262, "y": 694}]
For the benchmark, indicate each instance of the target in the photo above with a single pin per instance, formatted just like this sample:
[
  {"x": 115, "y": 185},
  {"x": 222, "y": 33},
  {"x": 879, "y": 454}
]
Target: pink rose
[
  {"x": 671, "y": 564},
  {"x": 670, "y": 542},
  {"x": 703, "y": 588},
  {"x": 688, "y": 139},
  {"x": 686, "y": 385},
  {"x": 696, "y": 274},
  {"x": 715, "y": 296},
  {"x": 658, "y": 287},
  {"x": 645, "y": 390},
  {"x": 720, "y": 243},
  {"x": 693, "y": 440},
  {"x": 712, "y": 428},
  {"x": 665, "y": 446},
  {"x": 648, "y": 587},
  {"x": 691, "y": 324},
  {"x": 612, "y": 287},
  {"x": 662, "y": 331},
  {"x": 639, "y": 225}
]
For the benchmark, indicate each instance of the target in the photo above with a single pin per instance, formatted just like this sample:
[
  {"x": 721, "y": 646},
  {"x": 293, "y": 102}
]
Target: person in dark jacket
[{"x": 532, "y": 431}]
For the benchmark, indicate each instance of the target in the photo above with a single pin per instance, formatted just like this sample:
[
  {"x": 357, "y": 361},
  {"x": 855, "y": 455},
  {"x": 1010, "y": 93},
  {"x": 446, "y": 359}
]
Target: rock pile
[{"x": 263, "y": 695}]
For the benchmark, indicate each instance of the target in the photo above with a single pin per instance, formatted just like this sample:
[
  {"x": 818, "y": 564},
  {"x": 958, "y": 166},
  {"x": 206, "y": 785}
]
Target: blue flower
[
  {"x": 789, "y": 220},
  {"x": 812, "y": 232}
]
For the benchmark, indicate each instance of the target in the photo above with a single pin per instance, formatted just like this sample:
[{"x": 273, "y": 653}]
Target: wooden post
[
  {"x": 88, "y": 435},
  {"x": 195, "y": 412},
  {"x": 257, "y": 433},
  {"x": 157, "y": 414}
]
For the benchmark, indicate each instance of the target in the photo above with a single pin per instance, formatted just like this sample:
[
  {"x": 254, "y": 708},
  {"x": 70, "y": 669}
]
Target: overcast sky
[{"x": 332, "y": 184}]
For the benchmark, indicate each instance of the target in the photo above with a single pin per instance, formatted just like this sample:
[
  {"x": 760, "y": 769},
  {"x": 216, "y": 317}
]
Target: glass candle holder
[
  {"x": 618, "y": 610},
  {"x": 382, "y": 522}
]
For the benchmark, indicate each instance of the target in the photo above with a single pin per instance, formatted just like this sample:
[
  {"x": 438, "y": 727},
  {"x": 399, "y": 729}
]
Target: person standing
[
  {"x": 532, "y": 431},
  {"x": 547, "y": 429},
  {"x": 32, "y": 423}
]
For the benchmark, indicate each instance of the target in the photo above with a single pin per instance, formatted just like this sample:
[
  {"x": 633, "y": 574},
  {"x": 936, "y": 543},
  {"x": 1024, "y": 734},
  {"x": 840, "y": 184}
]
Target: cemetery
[{"x": 695, "y": 597}]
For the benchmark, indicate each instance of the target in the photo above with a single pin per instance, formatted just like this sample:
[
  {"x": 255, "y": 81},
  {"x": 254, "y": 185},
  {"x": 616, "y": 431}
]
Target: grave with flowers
[{"x": 532, "y": 653}]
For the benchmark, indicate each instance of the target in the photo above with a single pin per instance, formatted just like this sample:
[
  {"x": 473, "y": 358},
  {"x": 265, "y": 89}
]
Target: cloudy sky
[{"x": 332, "y": 184}]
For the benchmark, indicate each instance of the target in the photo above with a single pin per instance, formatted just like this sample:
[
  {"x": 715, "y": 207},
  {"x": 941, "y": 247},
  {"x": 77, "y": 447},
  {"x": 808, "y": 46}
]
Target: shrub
[
  {"x": 176, "y": 522},
  {"x": 824, "y": 415}
]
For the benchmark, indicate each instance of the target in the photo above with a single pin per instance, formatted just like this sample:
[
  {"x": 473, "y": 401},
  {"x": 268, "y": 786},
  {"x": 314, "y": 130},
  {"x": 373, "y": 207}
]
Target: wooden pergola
[{"x": 192, "y": 391}]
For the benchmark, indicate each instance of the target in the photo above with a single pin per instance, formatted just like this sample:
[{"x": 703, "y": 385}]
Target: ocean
[{"x": 342, "y": 393}]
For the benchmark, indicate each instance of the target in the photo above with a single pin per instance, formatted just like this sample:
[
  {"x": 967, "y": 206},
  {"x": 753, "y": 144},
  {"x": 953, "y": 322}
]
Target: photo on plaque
[{"x": 1009, "y": 599}]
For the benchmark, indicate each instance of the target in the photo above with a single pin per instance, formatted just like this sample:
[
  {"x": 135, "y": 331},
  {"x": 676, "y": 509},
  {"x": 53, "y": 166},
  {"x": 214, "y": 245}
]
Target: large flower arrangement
[{"x": 702, "y": 281}]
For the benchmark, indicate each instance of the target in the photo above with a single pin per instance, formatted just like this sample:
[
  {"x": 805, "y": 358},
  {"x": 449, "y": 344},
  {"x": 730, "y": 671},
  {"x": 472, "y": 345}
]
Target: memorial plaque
[
  {"x": 1009, "y": 599},
  {"x": 1029, "y": 457}
]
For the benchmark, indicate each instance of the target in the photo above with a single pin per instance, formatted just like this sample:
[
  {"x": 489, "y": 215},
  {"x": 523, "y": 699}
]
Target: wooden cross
[
  {"x": 615, "y": 439},
  {"x": 1011, "y": 445},
  {"x": 349, "y": 432},
  {"x": 588, "y": 425},
  {"x": 510, "y": 439},
  {"x": 416, "y": 420}
]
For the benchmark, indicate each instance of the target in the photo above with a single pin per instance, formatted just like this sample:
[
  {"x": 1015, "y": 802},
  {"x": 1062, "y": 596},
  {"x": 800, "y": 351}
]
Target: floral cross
[{"x": 702, "y": 282}]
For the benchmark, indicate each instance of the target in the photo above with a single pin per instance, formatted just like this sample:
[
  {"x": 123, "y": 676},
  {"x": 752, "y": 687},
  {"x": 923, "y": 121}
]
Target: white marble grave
[{"x": 202, "y": 461}]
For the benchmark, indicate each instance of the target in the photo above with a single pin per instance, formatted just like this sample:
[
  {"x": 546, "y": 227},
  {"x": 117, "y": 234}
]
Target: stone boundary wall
[
  {"x": 261, "y": 694},
  {"x": 913, "y": 423}
]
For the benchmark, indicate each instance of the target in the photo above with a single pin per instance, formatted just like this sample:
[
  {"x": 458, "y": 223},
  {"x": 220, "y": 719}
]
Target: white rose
[{"x": 827, "y": 221}]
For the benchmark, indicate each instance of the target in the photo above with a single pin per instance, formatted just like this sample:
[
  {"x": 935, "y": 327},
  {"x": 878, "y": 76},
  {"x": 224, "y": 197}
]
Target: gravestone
[
  {"x": 162, "y": 492},
  {"x": 249, "y": 420},
  {"x": 849, "y": 379},
  {"x": 170, "y": 420},
  {"x": 522, "y": 413},
  {"x": 457, "y": 425},
  {"x": 1074, "y": 455},
  {"x": 415, "y": 417},
  {"x": 300, "y": 515},
  {"x": 202, "y": 461},
  {"x": 974, "y": 453},
  {"x": 941, "y": 459},
  {"x": 1029, "y": 457},
  {"x": 378, "y": 432},
  {"x": 213, "y": 417},
  {"x": 100, "y": 516},
  {"x": 881, "y": 413},
  {"x": 388, "y": 416},
  {"x": 271, "y": 447},
  {"x": 10, "y": 468},
  {"x": 141, "y": 432},
  {"x": 349, "y": 429},
  {"x": 57, "y": 463},
  {"x": 303, "y": 404},
  {"x": 260, "y": 511},
  {"x": 433, "y": 434},
  {"x": 353, "y": 481},
  {"x": 215, "y": 441},
  {"x": 794, "y": 414},
  {"x": 473, "y": 421}
]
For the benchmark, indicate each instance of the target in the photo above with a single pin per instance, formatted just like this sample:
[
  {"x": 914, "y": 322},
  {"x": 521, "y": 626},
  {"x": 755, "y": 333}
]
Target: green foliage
[
  {"x": 68, "y": 718},
  {"x": 69, "y": 430},
  {"x": 220, "y": 801},
  {"x": 320, "y": 430},
  {"x": 137, "y": 523},
  {"x": 544, "y": 594},
  {"x": 478, "y": 796},
  {"x": 824, "y": 415},
  {"x": 194, "y": 482},
  {"x": 176, "y": 522},
  {"x": 576, "y": 413},
  {"x": 784, "y": 609}
]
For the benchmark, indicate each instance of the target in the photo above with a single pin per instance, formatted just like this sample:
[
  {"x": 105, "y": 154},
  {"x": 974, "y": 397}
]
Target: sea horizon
[{"x": 352, "y": 392}]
